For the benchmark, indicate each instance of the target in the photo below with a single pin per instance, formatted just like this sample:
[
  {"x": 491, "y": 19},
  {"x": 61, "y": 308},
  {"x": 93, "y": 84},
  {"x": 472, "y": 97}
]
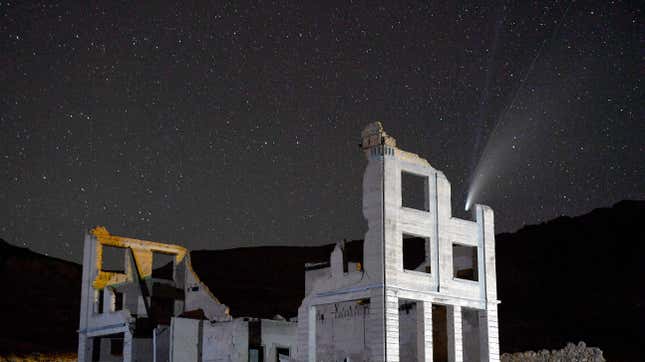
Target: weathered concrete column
[
  {"x": 84, "y": 348},
  {"x": 87, "y": 299},
  {"x": 108, "y": 300},
  {"x": 311, "y": 328},
  {"x": 305, "y": 320},
  {"x": 489, "y": 334},
  {"x": 424, "y": 331},
  {"x": 391, "y": 326},
  {"x": 486, "y": 251},
  {"x": 375, "y": 325},
  {"x": 455, "y": 342},
  {"x": 127, "y": 345}
]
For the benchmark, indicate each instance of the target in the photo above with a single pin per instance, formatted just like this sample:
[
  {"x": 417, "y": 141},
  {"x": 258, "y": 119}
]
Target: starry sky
[{"x": 223, "y": 124}]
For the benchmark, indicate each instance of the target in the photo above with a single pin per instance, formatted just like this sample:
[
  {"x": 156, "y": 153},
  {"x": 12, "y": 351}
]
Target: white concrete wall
[
  {"x": 312, "y": 276},
  {"x": 226, "y": 341},
  {"x": 341, "y": 331},
  {"x": 184, "y": 340}
]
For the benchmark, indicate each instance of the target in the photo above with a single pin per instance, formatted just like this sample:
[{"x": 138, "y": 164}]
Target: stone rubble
[{"x": 570, "y": 353}]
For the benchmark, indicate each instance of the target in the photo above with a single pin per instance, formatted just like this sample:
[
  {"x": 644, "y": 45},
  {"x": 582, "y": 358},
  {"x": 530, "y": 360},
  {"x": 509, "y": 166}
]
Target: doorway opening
[{"x": 439, "y": 333}]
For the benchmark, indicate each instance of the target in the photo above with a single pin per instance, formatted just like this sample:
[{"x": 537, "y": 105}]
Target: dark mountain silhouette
[
  {"x": 572, "y": 279},
  {"x": 39, "y": 301},
  {"x": 262, "y": 281},
  {"x": 568, "y": 279}
]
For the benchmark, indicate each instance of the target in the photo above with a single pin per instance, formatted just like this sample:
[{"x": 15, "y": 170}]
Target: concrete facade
[
  {"x": 458, "y": 272},
  {"x": 125, "y": 313}
]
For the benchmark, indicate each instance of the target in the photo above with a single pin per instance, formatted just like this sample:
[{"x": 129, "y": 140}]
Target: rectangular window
[
  {"x": 118, "y": 301},
  {"x": 163, "y": 265},
  {"x": 99, "y": 302},
  {"x": 113, "y": 259},
  {"x": 464, "y": 262},
  {"x": 414, "y": 191},
  {"x": 352, "y": 255},
  {"x": 416, "y": 253}
]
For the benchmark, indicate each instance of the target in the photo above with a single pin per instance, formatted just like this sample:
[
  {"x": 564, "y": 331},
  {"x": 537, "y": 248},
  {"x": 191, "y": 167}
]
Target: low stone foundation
[{"x": 571, "y": 352}]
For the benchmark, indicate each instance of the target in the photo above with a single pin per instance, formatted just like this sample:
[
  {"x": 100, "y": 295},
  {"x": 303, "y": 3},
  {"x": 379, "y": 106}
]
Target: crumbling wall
[
  {"x": 198, "y": 296},
  {"x": 570, "y": 353},
  {"x": 115, "y": 296},
  {"x": 341, "y": 331},
  {"x": 143, "y": 256}
]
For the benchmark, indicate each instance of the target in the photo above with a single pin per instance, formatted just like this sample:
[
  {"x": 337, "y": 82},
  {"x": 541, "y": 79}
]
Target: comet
[{"x": 504, "y": 139}]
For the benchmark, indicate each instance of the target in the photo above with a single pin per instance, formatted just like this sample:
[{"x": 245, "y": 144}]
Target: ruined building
[
  {"x": 438, "y": 305},
  {"x": 136, "y": 312},
  {"x": 422, "y": 288}
]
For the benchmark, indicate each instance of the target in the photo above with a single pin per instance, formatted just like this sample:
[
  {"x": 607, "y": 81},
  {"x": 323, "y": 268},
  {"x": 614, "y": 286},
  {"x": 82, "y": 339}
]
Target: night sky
[{"x": 229, "y": 124}]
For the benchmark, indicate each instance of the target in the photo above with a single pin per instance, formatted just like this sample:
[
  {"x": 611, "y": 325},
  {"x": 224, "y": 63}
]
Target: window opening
[
  {"x": 113, "y": 259},
  {"x": 464, "y": 262},
  {"x": 414, "y": 193},
  {"x": 118, "y": 301},
  {"x": 163, "y": 265},
  {"x": 416, "y": 253},
  {"x": 282, "y": 354},
  {"x": 99, "y": 301}
]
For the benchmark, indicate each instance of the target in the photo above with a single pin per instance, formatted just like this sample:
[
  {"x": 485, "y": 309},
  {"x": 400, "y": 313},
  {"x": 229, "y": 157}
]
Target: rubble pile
[{"x": 570, "y": 353}]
